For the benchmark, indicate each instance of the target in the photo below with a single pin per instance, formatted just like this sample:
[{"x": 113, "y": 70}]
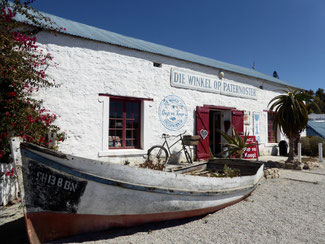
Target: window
[
  {"x": 124, "y": 123},
  {"x": 272, "y": 131}
]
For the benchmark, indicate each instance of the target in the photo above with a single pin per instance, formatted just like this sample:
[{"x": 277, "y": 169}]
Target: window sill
[{"x": 122, "y": 152}]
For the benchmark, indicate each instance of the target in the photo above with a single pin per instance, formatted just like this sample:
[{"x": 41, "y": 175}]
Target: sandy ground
[{"x": 290, "y": 209}]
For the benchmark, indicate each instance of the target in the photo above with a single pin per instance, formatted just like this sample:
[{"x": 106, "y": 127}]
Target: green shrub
[
  {"x": 305, "y": 146},
  {"x": 309, "y": 145}
]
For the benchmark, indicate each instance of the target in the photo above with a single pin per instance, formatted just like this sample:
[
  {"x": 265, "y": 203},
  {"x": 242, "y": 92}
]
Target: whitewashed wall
[
  {"x": 8, "y": 185},
  {"x": 87, "y": 68}
]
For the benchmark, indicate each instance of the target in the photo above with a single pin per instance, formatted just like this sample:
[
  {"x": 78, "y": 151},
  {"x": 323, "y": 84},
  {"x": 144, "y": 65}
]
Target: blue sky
[{"x": 283, "y": 35}]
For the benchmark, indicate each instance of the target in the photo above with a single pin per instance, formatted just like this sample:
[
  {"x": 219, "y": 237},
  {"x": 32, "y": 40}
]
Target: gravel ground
[{"x": 290, "y": 209}]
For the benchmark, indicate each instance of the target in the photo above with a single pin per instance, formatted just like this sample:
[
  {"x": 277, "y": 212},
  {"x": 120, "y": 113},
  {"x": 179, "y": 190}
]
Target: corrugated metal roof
[
  {"x": 93, "y": 33},
  {"x": 318, "y": 127}
]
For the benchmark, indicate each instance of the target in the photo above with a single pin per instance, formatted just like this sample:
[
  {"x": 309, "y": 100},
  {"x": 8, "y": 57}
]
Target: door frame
[{"x": 203, "y": 148}]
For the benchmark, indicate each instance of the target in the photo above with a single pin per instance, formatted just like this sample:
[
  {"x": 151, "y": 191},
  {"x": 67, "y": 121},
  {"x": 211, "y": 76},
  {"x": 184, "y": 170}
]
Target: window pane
[
  {"x": 129, "y": 110},
  {"x": 272, "y": 131},
  {"x": 129, "y": 143},
  {"x": 115, "y": 138},
  {"x": 112, "y": 123},
  {"x": 136, "y": 136},
  {"x": 119, "y": 123},
  {"x": 115, "y": 123},
  {"x": 132, "y": 110},
  {"x": 110, "y": 141},
  {"x": 136, "y": 125},
  {"x": 136, "y": 111},
  {"x": 129, "y": 134},
  {"x": 116, "y": 109},
  {"x": 129, "y": 124}
]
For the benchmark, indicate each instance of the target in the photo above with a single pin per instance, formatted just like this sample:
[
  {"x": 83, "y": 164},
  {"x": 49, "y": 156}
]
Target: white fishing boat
[{"x": 65, "y": 195}]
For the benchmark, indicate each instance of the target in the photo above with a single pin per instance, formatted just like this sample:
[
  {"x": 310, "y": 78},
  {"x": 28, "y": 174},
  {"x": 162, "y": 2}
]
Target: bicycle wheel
[
  {"x": 188, "y": 156},
  {"x": 157, "y": 155}
]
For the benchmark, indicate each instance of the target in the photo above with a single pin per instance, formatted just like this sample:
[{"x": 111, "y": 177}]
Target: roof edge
[{"x": 88, "y": 32}]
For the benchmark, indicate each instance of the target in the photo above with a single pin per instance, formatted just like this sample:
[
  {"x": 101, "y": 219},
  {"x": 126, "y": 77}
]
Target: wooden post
[
  {"x": 320, "y": 151},
  {"x": 299, "y": 152},
  {"x": 16, "y": 156},
  {"x": 15, "y": 152}
]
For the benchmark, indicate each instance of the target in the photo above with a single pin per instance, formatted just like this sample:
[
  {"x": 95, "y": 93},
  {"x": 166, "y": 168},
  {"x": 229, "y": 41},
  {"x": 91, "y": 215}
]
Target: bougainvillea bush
[{"x": 22, "y": 73}]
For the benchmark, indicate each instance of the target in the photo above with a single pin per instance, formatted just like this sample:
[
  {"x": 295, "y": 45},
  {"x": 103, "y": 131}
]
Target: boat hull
[
  {"x": 89, "y": 196},
  {"x": 40, "y": 226}
]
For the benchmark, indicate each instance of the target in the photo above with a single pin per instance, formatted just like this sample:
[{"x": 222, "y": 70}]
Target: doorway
[
  {"x": 209, "y": 121},
  {"x": 215, "y": 136}
]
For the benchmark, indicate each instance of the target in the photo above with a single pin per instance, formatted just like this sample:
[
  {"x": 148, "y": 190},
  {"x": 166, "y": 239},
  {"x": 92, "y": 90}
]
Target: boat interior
[{"x": 245, "y": 167}]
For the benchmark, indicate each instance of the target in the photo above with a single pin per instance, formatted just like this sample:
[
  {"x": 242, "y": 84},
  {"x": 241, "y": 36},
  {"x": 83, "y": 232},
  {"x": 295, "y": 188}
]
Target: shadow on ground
[
  {"x": 14, "y": 232},
  {"x": 117, "y": 232}
]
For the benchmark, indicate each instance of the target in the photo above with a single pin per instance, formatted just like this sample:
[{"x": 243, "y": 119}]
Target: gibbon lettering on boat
[{"x": 54, "y": 191}]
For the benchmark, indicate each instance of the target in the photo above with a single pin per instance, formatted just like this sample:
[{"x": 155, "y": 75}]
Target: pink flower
[
  {"x": 12, "y": 94},
  {"x": 30, "y": 119}
]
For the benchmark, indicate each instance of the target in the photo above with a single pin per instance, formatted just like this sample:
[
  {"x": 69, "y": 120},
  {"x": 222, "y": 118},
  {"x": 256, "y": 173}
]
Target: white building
[{"x": 119, "y": 94}]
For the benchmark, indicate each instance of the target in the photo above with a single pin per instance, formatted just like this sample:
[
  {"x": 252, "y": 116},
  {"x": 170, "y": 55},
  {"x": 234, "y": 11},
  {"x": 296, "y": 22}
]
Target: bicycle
[{"x": 159, "y": 154}]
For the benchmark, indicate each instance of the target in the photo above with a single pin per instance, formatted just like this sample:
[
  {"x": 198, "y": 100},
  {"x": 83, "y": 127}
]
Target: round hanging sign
[{"x": 172, "y": 112}]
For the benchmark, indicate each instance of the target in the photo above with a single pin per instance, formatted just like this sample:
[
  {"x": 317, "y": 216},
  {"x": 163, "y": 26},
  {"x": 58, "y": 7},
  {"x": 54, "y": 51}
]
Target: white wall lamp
[{"x": 221, "y": 75}]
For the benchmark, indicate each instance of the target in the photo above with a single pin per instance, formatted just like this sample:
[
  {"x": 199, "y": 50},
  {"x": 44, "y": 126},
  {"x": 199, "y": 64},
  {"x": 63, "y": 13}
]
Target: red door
[
  {"x": 238, "y": 121},
  {"x": 202, "y": 129}
]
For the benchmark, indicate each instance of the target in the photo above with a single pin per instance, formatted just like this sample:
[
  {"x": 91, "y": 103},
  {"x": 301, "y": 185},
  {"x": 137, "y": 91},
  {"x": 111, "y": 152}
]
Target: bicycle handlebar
[{"x": 168, "y": 135}]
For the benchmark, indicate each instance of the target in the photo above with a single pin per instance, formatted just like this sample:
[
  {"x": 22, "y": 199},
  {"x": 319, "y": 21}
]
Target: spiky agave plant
[{"x": 235, "y": 143}]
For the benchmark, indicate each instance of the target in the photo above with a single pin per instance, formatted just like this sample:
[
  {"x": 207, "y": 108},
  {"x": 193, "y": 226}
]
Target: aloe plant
[{"x": 235, "y": 143}]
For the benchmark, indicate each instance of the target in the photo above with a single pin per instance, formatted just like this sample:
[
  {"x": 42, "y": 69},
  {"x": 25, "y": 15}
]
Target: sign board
[
  {"x": 211, "y": 84},
  {"x": 251, "y": 152},
  {"x": 172, "y": 112}
]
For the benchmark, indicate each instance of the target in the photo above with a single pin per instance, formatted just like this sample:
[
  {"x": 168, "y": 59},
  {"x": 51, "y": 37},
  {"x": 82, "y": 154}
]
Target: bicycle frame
[
  {"x": 169, "y": 147},
  {"x": 164, "y": 150}
]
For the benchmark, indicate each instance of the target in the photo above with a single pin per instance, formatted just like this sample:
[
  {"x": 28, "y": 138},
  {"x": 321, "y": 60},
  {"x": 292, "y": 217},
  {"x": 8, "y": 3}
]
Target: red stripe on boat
[{"x": 46, "y": 226}]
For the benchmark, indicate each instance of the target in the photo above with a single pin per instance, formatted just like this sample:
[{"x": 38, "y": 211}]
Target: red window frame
[
  {"x": 272, "y": 133},
  {"x": 124, "y": 130}
]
